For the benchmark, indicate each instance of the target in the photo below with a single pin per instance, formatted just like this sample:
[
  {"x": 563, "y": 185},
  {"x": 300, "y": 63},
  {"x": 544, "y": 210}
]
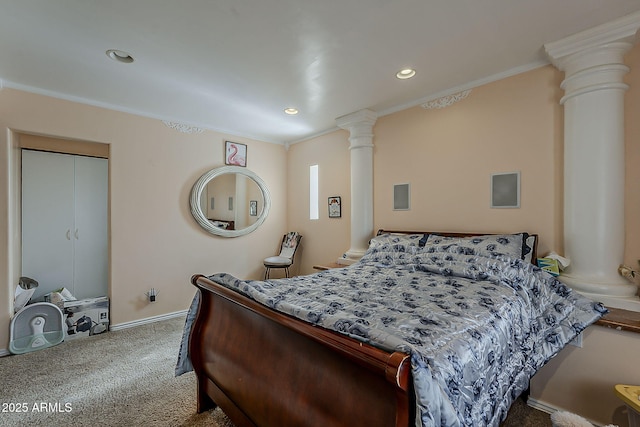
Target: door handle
[
  {"x": 68, "y": 234},
  {"x": 76, "y": 234}
]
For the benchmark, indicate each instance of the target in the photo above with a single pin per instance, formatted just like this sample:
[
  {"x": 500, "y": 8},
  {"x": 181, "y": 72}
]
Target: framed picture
[
  {"x": 253, "y": 208},
  {"x": 505, "y": 190},
  {"x": 235, "y": 154},
  {"x": 335, "y": 207}
]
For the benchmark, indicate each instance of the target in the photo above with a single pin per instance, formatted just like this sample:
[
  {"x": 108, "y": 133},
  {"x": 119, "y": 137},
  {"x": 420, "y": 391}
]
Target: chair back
[{"x": 290, "y": 243}]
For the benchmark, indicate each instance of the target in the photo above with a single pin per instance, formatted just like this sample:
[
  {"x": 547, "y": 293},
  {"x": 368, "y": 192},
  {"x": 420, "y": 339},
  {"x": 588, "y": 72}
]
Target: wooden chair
[{"x": 290, "y": 243}]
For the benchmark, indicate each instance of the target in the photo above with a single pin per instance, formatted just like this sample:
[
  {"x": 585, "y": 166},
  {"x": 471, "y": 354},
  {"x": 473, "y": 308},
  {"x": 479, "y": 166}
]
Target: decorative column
[
  {"x": 594, "y": 232},
  {"x": 360, "y": 125}
]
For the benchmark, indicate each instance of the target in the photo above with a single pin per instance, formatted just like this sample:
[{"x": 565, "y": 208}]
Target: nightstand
[{"x": 328, "y": 266}]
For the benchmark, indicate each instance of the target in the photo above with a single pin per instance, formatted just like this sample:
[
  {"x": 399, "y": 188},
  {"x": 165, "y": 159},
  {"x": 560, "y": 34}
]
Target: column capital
[
  {"x": 359, "y": 117},
  {"x": 620, "y": 34},
  {"x": 360, "y": 125}
]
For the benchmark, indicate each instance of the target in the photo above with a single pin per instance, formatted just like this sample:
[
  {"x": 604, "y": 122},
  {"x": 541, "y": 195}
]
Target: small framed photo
[
  {"x": 335, "y": 207},
  {"x": 235, "y": 154},
  {"x": 253, "y": 208}
]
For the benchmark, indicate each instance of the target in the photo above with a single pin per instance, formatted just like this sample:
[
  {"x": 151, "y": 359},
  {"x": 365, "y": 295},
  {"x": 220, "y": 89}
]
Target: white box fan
[{"x": 35, "y": 327}]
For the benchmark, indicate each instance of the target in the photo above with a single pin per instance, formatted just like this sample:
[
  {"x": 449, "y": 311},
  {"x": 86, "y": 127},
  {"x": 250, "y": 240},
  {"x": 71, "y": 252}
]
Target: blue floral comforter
[{"x": 477, "y": 327}]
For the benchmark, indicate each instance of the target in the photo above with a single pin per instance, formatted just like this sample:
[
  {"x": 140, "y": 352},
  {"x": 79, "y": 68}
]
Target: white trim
[
  {"x": 550, "y": 409},
  {"x": 4, "y": 352},
  {"x": 542, "y": 406},
  {"x": 315, "y": 135},
  {"x": 147, "y": 320}
]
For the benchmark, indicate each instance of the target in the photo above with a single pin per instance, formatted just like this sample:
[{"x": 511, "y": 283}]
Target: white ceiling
[{"x": 234, "y": 65}]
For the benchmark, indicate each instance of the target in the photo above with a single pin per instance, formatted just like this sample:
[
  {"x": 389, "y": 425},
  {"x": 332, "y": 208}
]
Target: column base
[
  {"x": 615, "y": 295},
  {"x": 625, "y": 303},
  {"x": 619, "y": 288},
  {"x": 351, "y": 256}
]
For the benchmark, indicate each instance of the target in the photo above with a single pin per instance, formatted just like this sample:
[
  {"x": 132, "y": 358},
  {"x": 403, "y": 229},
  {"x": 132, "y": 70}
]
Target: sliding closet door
[
  {"x": 64, "y": 223},
  {"x": 47, "y": 219},
  {"x": 90, "y": 234}
]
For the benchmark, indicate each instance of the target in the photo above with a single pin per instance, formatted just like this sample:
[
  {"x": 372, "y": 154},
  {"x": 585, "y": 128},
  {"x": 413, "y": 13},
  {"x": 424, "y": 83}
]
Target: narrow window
[{"x": 313, "y": 192}]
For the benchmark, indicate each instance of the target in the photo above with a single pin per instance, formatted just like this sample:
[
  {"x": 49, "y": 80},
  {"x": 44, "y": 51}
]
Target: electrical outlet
[{"x": 577, "y": 341}]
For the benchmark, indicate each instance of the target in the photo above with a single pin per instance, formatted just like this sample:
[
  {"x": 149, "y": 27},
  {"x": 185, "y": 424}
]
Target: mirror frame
[{"x": 196, "y": 193}]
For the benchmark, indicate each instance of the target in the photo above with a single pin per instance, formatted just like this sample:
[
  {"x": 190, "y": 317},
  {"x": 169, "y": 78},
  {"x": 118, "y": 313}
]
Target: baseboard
[
  {"x": 542, "y": 406},
  {"x": 4, "y": 352},
  {"x": 147, "y": 320},
  {"x": 550, "y": 409}
]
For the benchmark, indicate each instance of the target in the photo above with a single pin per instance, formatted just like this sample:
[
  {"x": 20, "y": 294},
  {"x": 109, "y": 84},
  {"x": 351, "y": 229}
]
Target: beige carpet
[{"x": 123, "y": 378}]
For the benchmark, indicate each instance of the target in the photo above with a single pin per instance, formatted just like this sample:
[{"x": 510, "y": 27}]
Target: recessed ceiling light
[
  {"x": 407, "y": 73},
  {"x": 291, "y": 111},
  {"x": 120, "y": 56}
]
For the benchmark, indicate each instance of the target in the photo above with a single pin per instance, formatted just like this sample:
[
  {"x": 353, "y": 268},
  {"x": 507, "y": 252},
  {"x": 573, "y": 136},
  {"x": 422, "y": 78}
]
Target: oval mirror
[{"x": 230, "y": 201}]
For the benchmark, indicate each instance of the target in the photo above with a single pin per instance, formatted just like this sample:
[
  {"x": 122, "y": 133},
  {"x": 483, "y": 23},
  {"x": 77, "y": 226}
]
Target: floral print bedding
[{"x": 477, "y": 327}]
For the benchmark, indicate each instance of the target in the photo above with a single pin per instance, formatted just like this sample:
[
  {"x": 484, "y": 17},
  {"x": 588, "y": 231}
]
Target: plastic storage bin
[{"x": 630, "y": 395}]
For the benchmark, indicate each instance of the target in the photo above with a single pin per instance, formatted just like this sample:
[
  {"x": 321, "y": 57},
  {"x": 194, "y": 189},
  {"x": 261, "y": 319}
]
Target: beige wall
[
  {"x": 325, "y": 239},
  {"x": 447, "y": 156},
  {"x": 154, "y": 240}
]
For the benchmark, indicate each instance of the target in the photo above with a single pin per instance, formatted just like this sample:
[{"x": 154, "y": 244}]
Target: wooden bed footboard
[{"x": 264, "y": 368}]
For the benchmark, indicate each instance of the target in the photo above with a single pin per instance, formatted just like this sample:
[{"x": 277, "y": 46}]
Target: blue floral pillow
[
  {"x": 396, "y": 240},
  {"x": 391, "y": 249},
  {"x": 492, "y": 245}
]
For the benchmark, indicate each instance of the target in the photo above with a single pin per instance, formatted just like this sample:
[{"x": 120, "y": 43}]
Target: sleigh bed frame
[{"x": 264, "y": 368}]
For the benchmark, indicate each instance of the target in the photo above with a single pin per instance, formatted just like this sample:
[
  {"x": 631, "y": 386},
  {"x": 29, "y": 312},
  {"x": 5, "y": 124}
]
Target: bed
[
  {"x": 223, "y": 223},
  {"x": 428, "y": 329}
]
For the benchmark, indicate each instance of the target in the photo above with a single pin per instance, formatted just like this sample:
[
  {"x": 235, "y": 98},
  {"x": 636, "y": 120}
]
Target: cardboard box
[{"x": 86, "y": 317}]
